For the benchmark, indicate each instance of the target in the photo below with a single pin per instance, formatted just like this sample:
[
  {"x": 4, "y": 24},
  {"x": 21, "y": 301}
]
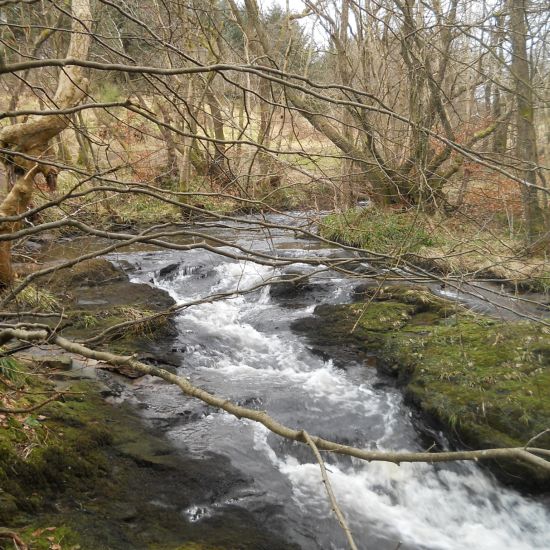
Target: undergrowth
[{"x": 377, "y": 230}]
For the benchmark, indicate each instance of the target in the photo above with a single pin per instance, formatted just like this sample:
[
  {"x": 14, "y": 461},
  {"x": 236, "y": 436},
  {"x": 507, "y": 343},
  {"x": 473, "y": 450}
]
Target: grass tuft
[
  {"x": 377, "y": 230},
  {"x": 34, "y": 297}
]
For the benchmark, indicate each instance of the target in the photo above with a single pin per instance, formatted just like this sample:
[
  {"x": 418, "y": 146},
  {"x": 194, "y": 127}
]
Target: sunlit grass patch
[
  {"x": 378, "y": 230},
  {"x": 37, "y": 298}
]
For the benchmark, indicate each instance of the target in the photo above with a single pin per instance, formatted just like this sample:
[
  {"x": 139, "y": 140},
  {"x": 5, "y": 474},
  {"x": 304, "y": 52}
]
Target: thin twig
[
  {"x": 330, "y": 493},
  {"x": 535, "y": 437},
  {"x": 34, "y": 407}
]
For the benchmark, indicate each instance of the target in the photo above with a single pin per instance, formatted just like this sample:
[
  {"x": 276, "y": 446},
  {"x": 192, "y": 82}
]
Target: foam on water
[
  {"x": 437, "y": 508},
  {"x": 443, "y": 510}
]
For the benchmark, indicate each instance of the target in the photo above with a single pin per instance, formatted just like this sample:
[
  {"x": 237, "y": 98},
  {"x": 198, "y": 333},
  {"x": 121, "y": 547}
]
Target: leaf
[{"x": 32, "y": 422}]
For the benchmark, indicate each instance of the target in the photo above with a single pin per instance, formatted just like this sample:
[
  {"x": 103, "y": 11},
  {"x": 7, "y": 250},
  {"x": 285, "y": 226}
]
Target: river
[{"x": 243, "y": 348}]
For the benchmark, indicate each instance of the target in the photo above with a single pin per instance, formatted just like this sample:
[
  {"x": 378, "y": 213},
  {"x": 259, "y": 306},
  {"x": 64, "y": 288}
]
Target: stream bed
[{"x": 243, "y": 348}]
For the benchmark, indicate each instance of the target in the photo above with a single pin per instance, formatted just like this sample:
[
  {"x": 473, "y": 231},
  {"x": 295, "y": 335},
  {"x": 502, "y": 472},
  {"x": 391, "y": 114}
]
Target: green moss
[
  {"x": 381, "y": 316},
  {"x": 89, "y": 272},
  {"x": 473, "y": 373},
  {"x": 487, "y": 382},
  {"x": 93, "y": 475},
  {"x": 40, "y": 460},
  {"x": 44, "y": 537},
  {"x": 362, "y": 325},
  {"x": 9, "y": 367}
]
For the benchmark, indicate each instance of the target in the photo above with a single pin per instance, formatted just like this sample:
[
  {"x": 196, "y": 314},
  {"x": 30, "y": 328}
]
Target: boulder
[
  {"x": 89, "y": 273},
  {"x": 290, "y": 284}
]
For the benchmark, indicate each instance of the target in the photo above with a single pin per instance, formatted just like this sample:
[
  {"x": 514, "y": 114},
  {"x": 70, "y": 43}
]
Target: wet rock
[
  {"x": 250, "y": 402},
  {"x": 320, "y": 353},
  {"x": 123, "y": 226},
  {"x": 123, "y": 370},
  {"x": 353, "y": 262},
  {"x": 127, "y": 266},
  {"x": 290, "y": 284},
  {"x": 362, "y": 268},
  {"x": 199, "y": 271},
  {"x": 169, "y": 270},
  {"x": 90, "y": 273},
  {"x": 53, "y": 362},
  {"x": 122, "y": 293},
  {"x": 33, "y": 246},
  {"x": 160, "y": 357}
]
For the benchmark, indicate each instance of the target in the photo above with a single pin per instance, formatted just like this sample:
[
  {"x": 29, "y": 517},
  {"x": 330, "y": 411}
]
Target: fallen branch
[
  {"x": 330, "y": 493},
  {"x": 16, "y": 539},
  {"x": 507, "y": 453},
  {"x": 34, "y": 407}
]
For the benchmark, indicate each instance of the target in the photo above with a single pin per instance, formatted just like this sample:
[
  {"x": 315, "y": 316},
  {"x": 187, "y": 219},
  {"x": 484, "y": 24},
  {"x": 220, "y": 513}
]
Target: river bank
[
  {"x": 457, "y": 247},
  {"x": 243, "y": 349},
  {"x": 84, "y": 471},
  {"x": 483, "y": 382}
]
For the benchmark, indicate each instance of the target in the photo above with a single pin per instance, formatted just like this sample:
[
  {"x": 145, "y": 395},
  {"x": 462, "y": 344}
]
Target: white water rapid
[{"x": 243, "y": 348}]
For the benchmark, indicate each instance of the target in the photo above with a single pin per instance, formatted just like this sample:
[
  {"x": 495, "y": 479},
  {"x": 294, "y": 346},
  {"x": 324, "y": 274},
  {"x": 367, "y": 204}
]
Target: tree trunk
[
  {"x": 33, "y": 137},
  {"x": 526, "y": 145},
  {"x": 171, "y": 174}
]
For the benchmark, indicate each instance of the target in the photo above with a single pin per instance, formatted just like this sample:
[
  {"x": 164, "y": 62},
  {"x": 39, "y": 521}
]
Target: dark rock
[
  {"x": 89, "y": 273},
  {"x": 320, "y": 353},
  {"x": 123, "y": 293},
  {"x": 127, "y": 227},
  {"x": 198, "y": 271},
  {"x": 169, "y": 270},
  {"x": 123, "y": 370},
  {"x": 290, "y": 284},
  {"x": 127, "y": 266},
  {"x": 33, "y": 246},
  {"x": 54, "y": 362}
]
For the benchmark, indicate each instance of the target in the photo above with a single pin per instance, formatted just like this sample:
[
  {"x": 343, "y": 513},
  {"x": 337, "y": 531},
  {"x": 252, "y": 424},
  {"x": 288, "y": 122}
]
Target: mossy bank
[
  {"x": 82, "y": 472},
  {"x": 487, "y": 383},
  {"x": 444, "y": 244}
]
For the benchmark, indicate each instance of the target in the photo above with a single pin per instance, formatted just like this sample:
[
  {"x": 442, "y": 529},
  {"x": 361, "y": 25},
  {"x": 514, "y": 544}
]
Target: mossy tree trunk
[{"x": 33, "y": 137}]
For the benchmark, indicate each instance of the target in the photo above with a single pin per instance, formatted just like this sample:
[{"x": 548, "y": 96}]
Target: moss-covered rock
[
  {"x": 486, "y": 382},
  {"x": 93, "y": 308},
  {"x": 48, "y": 452},
  {"x": 92, "y": 272}
]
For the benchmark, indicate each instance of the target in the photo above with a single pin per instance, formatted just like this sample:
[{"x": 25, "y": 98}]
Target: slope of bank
[
  {"x": 84, "y": 472},
  {"x": 486, "y": 383},
  {"x": 446, "y": 245}
]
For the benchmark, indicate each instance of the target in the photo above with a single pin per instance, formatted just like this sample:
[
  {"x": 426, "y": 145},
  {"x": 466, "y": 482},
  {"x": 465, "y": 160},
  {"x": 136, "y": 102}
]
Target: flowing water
[{"x": 244, "y": 349}]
